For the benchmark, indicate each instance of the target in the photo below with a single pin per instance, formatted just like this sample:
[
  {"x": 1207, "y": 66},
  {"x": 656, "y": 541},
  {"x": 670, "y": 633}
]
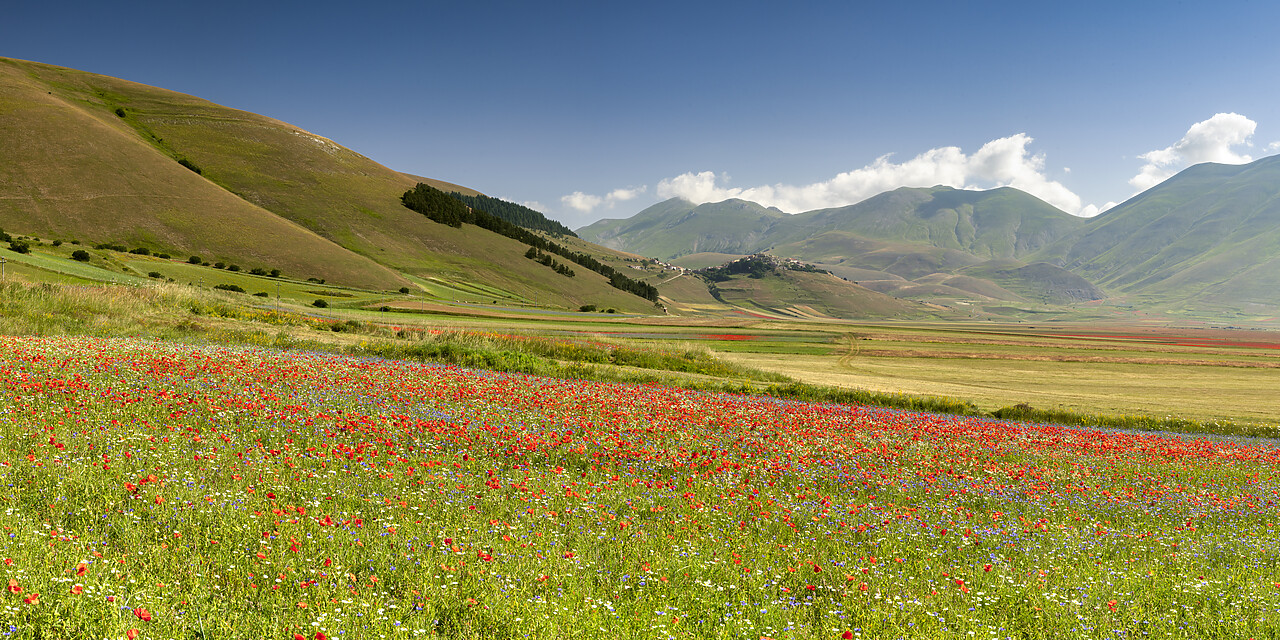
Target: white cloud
[
  {"x": 586, "y": 203},
  {"x": 1001, "y": 162},
  {"x": 581, "y": 201},
  {"x": 1273, "y": 147},
  {"x": 1206, "y": 141},
  {"x": 1092, "y": 210},
  {"x": 622, "y": 195}
]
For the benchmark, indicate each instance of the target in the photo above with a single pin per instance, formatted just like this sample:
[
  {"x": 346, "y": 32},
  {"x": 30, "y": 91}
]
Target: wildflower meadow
[{"x": 165, "y": 490}]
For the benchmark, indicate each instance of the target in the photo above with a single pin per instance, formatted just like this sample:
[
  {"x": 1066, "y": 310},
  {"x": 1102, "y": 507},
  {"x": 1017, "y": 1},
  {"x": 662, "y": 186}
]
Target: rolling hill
[
  {"x": 104, "y": 160},
  {"x": 1206, "y": 239}
]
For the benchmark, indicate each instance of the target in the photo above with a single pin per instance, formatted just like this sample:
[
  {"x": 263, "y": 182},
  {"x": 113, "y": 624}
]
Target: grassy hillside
[
  {"x": 74, "y": 170},
  {"x": 97, "y": 159},
  {"x": 1207, "y": 238},
  {"x": 1000, "y": 223},
  {"x": 677, "y": 227},
  {"x": 807, "y": 294}
]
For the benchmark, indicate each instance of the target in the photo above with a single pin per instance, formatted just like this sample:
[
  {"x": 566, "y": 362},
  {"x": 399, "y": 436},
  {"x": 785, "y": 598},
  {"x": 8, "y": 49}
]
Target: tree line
[
  {"x": 447, "y": 209},
  {"x": 516, "y": 214}
]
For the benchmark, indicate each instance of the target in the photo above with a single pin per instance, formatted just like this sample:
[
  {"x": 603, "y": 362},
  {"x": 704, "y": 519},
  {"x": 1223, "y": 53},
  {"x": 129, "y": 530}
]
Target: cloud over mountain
[
  {"x": 1206, "y": 141},
  {"x": 1000, "y": 162}
]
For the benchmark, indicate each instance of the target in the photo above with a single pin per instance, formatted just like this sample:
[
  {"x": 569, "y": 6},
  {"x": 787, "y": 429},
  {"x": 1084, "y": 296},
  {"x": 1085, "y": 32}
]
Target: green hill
[
  {"x": 105, "y": 160},
  {"x": 995, "y": 224},
  {"x": 1207, "y": 239},
  {"x": 677, "y": 227}
]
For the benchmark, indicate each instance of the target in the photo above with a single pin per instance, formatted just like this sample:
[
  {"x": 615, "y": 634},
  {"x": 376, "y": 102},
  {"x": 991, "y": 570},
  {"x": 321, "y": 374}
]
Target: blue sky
[{"x": 596, "y": 109}]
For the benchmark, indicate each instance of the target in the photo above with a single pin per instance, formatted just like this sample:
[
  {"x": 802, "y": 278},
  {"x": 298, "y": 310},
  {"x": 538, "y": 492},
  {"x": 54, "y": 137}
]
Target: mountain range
[{"x": 1205, "y": 242}]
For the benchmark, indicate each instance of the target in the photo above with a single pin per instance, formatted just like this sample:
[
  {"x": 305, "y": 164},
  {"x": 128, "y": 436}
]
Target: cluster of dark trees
[
  {"x": 545, "y": 258},
  {"x": 447, "y": 209},
  {"x": 516, "y": 214}
]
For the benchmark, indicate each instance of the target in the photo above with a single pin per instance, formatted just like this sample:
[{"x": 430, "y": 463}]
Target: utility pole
[
  {"x": 2, "y": 280},
  {"x": 277, "y": 299}
]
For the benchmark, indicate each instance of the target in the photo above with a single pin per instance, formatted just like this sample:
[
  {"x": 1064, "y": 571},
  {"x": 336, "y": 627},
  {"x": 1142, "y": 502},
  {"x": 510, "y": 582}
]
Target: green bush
[
  {"x": 262, "y": 294},
  {"x": 587, "y": 308},
  {"x": 155, "y": 274},
  {"x": 219, "y": 265},
  {"x": 194, "y": 260},
  {"x": 229, "y": 287},
  {"x": 80, "y": 255},
  {"x": 141, "y": 251},
  {"x": 190, "y": 165},
  {"x": 57, "y": 243},
  {"x": 19, "y": 246},
  {"x": 234, "y": 267},
  {"x": 120, "y": 112},
  {"x": 258, "y": 271},
  {"x": 320, "y": 304},
  {"x": 404, "y": 289}
]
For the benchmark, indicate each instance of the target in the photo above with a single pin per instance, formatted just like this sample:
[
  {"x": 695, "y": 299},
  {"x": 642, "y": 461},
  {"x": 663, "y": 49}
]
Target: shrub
[
  {"x": 190, "y": 165},
  {"x": 112, "y": 247},
  {"x": 234, "y": 267},
  {"x": 610, "y": 310},
  {"x": 163, "y": 256},
  {"x": 586, "y": 308},
  {"x": 19, "y": 246},
  {"x": 80, "y": 255},
  {"x": 120, "y": 112},
  {"x": 262, "y": 294},
  {"x": 141, "y": 251},
  {"x": 57, "y": 243},
  {"x": 229, "y": 287},
  {"x": 275, "y": 273},
  {"x": 384, "y": 308},
  {"x": 404, "y": 289},
  {"x": 194, "y": 260},
  {"x": 258, "y": 271},
  {"x": 155, "y": 274},
  {"x": 320, "y": 304}
]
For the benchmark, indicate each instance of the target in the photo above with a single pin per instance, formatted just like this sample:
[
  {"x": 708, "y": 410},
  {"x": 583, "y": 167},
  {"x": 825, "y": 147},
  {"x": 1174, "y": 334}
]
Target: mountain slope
[
  {"x": 73, "y": 169},
  {"x": 999, "y": 223},
  {"x": 97, "y": 159},
  {"x": 1209, "y": 235},
  {"x": 676, "y": 227}
]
